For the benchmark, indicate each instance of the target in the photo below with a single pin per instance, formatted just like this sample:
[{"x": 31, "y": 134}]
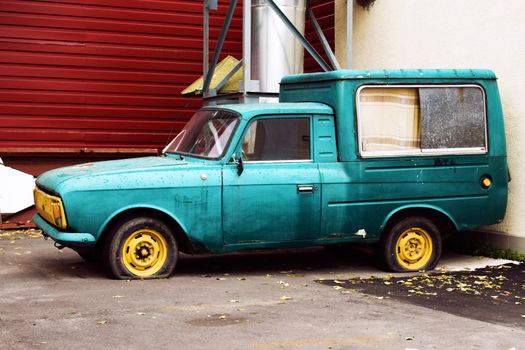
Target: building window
[
  {"x": 396, "y": 121},
  {"x": 275, "y": 139}
]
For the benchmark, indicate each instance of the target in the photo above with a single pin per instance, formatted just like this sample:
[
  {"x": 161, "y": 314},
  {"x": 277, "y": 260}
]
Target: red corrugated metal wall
[
  {"x": 106, "y": 75},
  {"x": 324, "y": 13},
  {"x": 100, "y": 74}
]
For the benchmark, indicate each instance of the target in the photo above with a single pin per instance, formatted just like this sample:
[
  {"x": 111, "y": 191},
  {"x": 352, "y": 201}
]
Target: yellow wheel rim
[
  {"x": 414, "y": 249},
  {"x": 144, "y": 252}
]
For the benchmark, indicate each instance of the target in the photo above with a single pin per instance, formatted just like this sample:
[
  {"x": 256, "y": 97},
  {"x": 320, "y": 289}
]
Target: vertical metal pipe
[
  {"x": 275, "y": 50},
  {"x": 277, "y": 41},
  {"x": 349, "y": 32},
  {"x": 206, "y": 37},
  {"x": 263, "y": 33},
  {"x": 247, "y": 47}
]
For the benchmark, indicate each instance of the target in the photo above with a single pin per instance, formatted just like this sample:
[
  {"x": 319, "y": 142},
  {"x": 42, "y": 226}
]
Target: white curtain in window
[{"x": 389, "y": 119}]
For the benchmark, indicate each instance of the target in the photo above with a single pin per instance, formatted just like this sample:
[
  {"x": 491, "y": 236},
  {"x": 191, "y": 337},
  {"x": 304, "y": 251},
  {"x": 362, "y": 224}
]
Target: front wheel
[
  {"x": 141, "y": 247},
  {"x": 412, "y": 244}
]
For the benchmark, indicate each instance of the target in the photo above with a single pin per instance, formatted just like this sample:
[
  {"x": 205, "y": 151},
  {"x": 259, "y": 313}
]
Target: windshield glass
[{"x": 206, "y": 135}]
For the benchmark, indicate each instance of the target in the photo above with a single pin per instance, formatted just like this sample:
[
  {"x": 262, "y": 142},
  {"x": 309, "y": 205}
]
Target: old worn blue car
[{"x": 396, "y": 157}]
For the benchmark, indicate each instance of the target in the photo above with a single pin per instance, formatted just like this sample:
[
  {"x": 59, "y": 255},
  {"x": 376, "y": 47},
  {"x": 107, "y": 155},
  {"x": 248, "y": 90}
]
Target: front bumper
[{"x": 68, "y": 239}]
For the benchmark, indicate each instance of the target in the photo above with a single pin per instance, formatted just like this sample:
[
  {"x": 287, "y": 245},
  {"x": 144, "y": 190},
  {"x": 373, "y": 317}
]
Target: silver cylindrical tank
[{"x": 275, "y": 50}]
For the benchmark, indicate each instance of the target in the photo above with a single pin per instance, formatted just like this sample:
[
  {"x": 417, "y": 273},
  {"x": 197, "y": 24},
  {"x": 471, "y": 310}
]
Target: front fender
[{"x": 139, "y": 209}]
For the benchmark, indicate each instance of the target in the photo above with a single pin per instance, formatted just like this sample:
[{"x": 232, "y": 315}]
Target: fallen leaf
[
  {"x": 234, "y": 301},
  {"x": 102, "y": 322},
  {"x": 118, "y": 296},
  {"x": 284, "y": 297},
  {"x": 295, "y": 275},
  {"x": 222, "y": 317},
  {"x": 141, "y": 313}
]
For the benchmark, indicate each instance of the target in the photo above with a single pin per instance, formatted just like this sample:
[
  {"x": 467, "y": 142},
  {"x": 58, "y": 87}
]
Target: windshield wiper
[{"x": 181, "y": 157}]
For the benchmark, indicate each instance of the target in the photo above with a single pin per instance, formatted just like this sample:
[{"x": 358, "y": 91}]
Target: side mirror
[
  {"x": 240, "y": 166},
  {"x": 236, "y": 159}
]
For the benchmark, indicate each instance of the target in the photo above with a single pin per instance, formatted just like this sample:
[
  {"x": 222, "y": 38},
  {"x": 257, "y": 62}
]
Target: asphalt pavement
[{"x": 284, "y": 299}]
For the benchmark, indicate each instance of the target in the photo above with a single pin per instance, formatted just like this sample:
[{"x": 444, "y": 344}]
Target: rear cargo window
[{"x": 395, "y": 121}]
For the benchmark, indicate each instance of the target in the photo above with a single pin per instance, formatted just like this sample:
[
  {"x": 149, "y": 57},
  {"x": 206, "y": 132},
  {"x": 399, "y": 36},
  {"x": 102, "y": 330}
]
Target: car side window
[{"x": 277, "y": 139}]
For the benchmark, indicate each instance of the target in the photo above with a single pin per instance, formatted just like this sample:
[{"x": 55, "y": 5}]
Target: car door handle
[{"x": 306, "y": 188}]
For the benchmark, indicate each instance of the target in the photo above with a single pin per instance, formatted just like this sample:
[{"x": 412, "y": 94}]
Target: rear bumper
[{"x": 68, "y": 239}]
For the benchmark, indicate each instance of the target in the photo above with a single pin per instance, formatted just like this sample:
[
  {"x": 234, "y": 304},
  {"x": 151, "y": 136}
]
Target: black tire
[
  {"x": 141, "y": 248},
  {"x": 412, "y": 244}
]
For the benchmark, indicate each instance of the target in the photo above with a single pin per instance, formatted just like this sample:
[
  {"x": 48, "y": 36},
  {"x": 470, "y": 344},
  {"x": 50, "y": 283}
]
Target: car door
[{"x": 276, "y": 198}]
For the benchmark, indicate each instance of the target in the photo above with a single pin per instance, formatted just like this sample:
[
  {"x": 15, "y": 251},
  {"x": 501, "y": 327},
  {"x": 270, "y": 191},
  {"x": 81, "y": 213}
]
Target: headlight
[{"x": 50, "y": 208}]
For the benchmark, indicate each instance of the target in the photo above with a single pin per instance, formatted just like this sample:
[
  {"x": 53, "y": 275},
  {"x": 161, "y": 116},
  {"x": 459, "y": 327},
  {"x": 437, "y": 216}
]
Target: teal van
[{"x": 402, "y": 158}]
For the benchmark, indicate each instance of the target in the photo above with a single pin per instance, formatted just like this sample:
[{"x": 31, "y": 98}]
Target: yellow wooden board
[{"x": 223, "y": 68}]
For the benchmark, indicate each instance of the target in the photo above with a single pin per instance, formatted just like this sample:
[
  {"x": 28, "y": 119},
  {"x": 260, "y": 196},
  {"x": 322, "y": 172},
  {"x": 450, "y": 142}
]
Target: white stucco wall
[{"x": 452, "y": 34}]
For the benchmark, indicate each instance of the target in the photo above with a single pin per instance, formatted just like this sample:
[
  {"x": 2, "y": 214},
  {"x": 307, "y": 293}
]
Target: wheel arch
[
  {"x": 445, "y": 222},
  {"x": 148, "y": 211}
]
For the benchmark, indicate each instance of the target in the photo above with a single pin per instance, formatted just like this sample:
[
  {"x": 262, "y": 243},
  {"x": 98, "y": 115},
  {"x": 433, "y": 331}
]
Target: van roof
[
  {"x": 391, "y": 74},
  {"x": 249, "y": 110}
]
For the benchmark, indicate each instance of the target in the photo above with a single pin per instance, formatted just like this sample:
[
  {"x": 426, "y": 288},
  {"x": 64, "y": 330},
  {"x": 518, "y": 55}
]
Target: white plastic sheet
[{"x": 16, "y": 190}]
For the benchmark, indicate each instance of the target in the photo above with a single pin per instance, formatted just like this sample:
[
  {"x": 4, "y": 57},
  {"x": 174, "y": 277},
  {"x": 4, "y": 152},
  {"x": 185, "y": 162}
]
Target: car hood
[{"x": 51, "y": 180}]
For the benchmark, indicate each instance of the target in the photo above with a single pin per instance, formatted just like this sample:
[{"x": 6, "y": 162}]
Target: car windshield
[{"x": 207, "y": 134}]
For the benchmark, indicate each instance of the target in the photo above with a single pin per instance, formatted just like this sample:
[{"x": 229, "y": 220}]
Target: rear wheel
[
  {"x": 141, "y": 247},
  {"x": 412, "y": 244}
]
